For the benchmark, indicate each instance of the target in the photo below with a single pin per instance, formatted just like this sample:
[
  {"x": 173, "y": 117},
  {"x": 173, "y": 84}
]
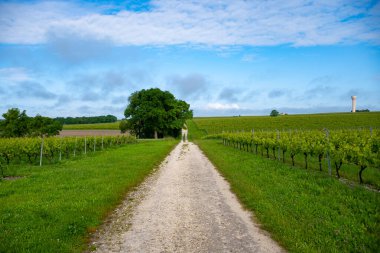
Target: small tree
[
  {"x": 15, "y": 123},
  {"x": 123, "y": 126},
  {"x": 274, "y": 113},
  {"x": 40, "y": 126}
]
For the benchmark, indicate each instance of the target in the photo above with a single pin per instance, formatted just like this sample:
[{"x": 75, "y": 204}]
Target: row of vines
[
  {"x": 358, "y": 147},
  {"x": 33, "y": 150}
]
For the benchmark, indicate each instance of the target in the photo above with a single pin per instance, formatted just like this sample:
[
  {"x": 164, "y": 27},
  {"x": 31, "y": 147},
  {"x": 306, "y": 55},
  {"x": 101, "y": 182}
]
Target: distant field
[
  {"x": 100, "y": 126},
  {"x": 211, "y": 125},
  {"x": 90, "y": 132}
]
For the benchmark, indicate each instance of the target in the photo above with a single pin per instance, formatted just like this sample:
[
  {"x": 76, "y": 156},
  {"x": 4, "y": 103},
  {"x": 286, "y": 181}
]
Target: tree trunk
[
  {"x": 155, "y": 134},
  {"x": 337, "y": 167},
  {"x": 320, "y": 161},
  {"x": 362, "y": 168},
  {"x": 283, "y": 156},
  {"x": 305, "y": 154}
]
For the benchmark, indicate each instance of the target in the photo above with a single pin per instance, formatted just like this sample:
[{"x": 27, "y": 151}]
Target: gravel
[{"x": 185, "y": 206}]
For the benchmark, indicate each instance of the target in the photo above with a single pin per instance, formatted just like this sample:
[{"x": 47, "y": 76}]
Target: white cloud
[
  {"x": 14, "y": 75},
  {"x": 248, "y": 58},
  {"x": 192, "y": 85},
  {"x": 224, "y": 22},
  {"x": 220, "y": 106}
]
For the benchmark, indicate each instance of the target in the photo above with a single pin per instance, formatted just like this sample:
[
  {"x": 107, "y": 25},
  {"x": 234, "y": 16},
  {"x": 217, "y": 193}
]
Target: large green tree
[{"x": 154, "y": 113}]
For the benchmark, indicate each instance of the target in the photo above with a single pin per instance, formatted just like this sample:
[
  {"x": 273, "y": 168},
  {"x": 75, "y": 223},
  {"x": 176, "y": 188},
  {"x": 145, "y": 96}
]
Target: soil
[{"x": 185, "y": 206}]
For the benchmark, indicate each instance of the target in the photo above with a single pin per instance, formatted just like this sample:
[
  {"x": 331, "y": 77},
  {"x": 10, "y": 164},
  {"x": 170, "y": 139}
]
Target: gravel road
[{"x": 185, "y": 206}]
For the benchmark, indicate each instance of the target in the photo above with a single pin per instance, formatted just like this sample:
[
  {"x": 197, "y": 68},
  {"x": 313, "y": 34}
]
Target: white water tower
[{"x": 353, "y": 103}]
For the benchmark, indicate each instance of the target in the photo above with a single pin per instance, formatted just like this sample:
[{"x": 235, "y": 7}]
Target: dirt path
[{"x": 186, "y": 206}]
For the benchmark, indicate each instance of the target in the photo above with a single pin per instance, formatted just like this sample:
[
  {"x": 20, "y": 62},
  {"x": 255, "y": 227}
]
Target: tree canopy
[
  {"x": 15, "y": 123},
  {"x": 18, "y": 124},
  {"x": 274, "y": 113},
  {"x": 87, "y": 120},
  {"x": 154, "y": 113}
]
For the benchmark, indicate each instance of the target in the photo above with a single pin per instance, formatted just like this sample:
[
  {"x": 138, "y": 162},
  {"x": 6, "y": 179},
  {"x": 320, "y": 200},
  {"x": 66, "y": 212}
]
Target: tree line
[
  {"x": 151, "y": 113},
  {"x": 86, "y": 120},
  {"x": 19, "y": 124}
]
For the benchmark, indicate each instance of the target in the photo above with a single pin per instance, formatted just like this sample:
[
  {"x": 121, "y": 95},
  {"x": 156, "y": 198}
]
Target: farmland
[
  {"x": 97, "y": 126},
  {"x": 56, "y": 206},
  {"x": 280, "y": 176},
  {"x": 90, "y": 132},
  {"x": 33, "y": 149},
  {"x": 337, "y": 148},
  {"x": 295, "y": 198},
  {"x": 304, "y": 210},
  {"x": 212, "y": 125}
]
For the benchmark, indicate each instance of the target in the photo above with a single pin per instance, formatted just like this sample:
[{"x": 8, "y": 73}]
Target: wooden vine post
[
  {"x": 42, "y": 149},
  {"x": 327, "y": 151}
]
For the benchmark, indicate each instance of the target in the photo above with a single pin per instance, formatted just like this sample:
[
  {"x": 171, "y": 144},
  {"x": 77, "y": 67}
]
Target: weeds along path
[{"x": 186, "y": 206}]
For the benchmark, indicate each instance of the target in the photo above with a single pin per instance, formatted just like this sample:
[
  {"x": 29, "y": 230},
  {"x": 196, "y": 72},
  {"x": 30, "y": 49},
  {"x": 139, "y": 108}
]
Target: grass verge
[
  {"x": 53, "y": 208},
  {"x": 371, "y": 175},
  {"x": 306, "y": 211}
]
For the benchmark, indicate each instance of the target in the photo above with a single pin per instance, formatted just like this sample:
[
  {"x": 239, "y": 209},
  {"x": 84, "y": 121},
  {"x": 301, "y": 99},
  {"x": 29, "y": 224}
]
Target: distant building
[{"x": 353, "y": 103}]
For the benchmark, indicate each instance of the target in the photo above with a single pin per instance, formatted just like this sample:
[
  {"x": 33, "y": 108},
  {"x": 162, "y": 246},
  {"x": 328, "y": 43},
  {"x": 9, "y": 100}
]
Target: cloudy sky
[{"x": 82, "y": 58}]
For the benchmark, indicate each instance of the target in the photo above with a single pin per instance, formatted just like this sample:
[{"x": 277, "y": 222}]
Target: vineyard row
[
  {"x": 359, "y": 147},
  {"x": 33, "y": 150}
]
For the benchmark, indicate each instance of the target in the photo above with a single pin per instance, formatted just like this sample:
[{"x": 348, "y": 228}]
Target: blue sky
[{"x": 82, "y": 58}]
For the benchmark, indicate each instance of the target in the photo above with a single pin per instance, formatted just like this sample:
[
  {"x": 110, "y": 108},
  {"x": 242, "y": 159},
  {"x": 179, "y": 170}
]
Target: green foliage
[
  {"x": 124, "y": 126},
  {"x": 306, "y": 211},
  {"x": 286, "y": 122},
  {"x": 15, "y": 123},
  {"x": 27, "y": 150},
  {"x": 53, "y": 208},
  {"x": 154, "y": 112},
  {"x": 87, "y": 120},
  {"x": 18, "y": 124},
  {"x": 43, "y": 126},
  {"x": 360, "y": 147},
  {"x": 274, "y": 113}
]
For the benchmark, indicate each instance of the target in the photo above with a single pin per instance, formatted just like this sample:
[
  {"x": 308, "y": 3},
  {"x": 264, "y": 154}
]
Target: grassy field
[
  {"x": 53, "y": 208},
  {"x": 305, "y": 210},
  {"x": 371, "y": 175},
  {"x": 213, "y": 125},
  {"x": 100, "y": 126}
]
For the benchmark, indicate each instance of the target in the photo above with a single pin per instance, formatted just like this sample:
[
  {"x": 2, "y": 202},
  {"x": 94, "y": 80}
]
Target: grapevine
[{"x": 360, "y": 147}]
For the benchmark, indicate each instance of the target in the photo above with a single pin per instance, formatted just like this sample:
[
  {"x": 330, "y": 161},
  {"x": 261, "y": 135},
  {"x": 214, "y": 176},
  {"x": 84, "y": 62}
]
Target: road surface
[{"x": 185, "y": 206}]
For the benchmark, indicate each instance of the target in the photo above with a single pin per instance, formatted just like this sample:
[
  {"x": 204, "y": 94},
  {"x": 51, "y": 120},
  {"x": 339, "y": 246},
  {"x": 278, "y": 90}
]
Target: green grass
[
  {"x": 306, "y": 211},
  {"x": 194, "y": 132},
  {"x": 53, "y": 208},
  {"x": 371, "y": 175},
  {"x": 97, "y": 126},
  {"x": 213, "y": 125}
]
